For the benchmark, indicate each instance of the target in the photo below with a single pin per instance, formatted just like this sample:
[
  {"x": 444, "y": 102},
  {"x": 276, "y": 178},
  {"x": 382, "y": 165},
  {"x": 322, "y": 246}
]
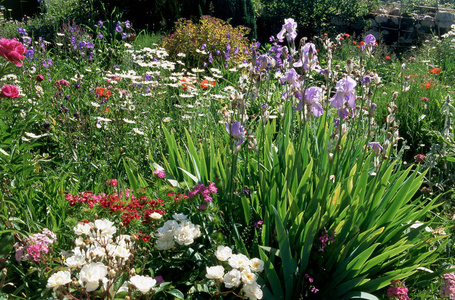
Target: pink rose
[
  {"x": 9, "y": 91},
  {"x": 12, "y": 50}
]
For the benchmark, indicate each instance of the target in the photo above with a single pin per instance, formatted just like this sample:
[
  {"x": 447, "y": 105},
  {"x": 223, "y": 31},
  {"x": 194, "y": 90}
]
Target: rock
[
  {"x": 427, "y": 21},
  {"x": 444, "y": 19},
  {"x": 395, "y": 12},
  {"x": 380, "y": 19},
  {"x": 381, "y": 11},
  {"x": 395, "y": 20}
]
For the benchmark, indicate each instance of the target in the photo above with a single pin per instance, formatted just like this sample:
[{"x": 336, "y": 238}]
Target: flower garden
[{"x": 203, "y": 165}]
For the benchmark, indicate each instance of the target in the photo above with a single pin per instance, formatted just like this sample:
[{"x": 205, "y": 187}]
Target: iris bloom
[
  {"x": 312, "y": 97},
  {"x": 344, "y": 92},
  {"x": 290, "y": 29},
  {"x": 308, "y": 60},
  {"x": 237, "y": 131},
  {"x": 291, "y": 77}
]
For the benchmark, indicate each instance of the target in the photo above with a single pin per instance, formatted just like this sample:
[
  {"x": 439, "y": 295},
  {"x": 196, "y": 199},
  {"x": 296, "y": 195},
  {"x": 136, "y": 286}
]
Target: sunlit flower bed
[{"x": 263, "y": 174}]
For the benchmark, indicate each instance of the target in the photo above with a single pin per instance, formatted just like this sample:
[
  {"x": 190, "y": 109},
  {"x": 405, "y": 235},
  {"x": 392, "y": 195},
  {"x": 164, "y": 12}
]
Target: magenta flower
[
  {"x": 160, "y": 173},
  {"x": 290, "y": 29},
  {"x": 344, "y": 92}
]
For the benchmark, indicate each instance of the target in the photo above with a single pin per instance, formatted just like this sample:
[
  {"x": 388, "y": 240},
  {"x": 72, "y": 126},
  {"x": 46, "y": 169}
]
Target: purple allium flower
[
  {"x": 312, "y": 96},
  {"x": 344, "y": 92},
  {"x": 290, "y": 29},
  {"x": 237, "y": 131}
]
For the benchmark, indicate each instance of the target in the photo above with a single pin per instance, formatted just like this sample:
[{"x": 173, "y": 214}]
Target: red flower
[
  {"x": 387, "y": 57},
  {"x": 358, "y": 46},
  {"x": 205, "y": 84},
  {"x": 9, "y": 91},
  {"x": 435, "y": 71},
  {"x": 354, "y": 42},
  {"x": 103, "y": 92},
  {"x": 427, "y": 85},
  {"x": 347, "y": 35},
  {"x": 12, "y": 50}
]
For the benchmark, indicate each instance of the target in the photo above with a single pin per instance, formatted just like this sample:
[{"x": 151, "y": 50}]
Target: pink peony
[
  {"x": 12, "y": 50},
  {"x": 9, "y": 91}
]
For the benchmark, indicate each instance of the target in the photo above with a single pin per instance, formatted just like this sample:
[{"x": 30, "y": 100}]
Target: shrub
[{"x": 220, "y": 41}]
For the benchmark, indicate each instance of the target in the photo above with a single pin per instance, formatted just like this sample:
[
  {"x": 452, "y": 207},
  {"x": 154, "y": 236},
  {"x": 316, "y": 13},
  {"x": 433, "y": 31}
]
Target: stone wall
[{"x": 409, "y": 28}]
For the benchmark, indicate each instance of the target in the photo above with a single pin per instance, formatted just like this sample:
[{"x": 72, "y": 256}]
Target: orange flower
[
  {"x": 102, "y": 92},
  {"x": 358, "y": 46},
  {"x": 205, "y": 84},
  {"x": 354, "y": 42},
  {"x": 325, "y": 34},
  {"x": 347, "y": 35},
  {"x": 387, "y": 57},
  {"x": 427, "y": 85},
  {"x": 435, "y": 71},
  {"x": 361, "y": 43}
]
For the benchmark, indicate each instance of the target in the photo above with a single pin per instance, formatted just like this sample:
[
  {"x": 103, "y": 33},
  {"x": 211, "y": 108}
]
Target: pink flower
[
  {"x": 112, "y": 182},
  {"x": 160, "y": 173},
  {"x": 9, "y": 91},
  {"x": 398, "y": 290},
  {"x": 12, "y": 50},
  {"x": 62, "y": 82},
  {"x": 39, "y": 77}
]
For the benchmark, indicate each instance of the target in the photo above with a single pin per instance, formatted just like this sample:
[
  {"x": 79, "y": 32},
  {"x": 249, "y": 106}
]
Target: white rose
[
  {"x": 164, "y": 243},
  {"x": 179, "y": 217},
  {"x": 239, "y": 261},
  {"x": 122, "y": 252},
  {"x": 75, "y": 261},
  {"x": 142, "y": 283},
  {"x": 216, "y": 272},
  {"x": 248, "y": 277},
  {"x": 105, "y": 228},
  {"x": 232, "y": 279},
  {"x": 91, "y": 274},
  {"x": 58, "y": 279},
  {"x": 256, "y": 265},
  {"x": 223, "y": 253},
  {"x": 155, "y": 216},
  {"x": 83, "y": 228},
  {"x": 186, "y": 233},
  {"x": 252, "y": 291}
]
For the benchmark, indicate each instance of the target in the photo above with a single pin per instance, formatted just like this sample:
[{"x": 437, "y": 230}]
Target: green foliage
[{"x": 215, "y": 34}]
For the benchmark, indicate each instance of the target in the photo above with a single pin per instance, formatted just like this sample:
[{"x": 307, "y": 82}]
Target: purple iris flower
[
  {"x": 377, "y": 148},
  {"x": 291, "y": 77},
  {"x": 100, "y": 36},
  {"x": 265, "y": 61},
  {"x": 370, "y": 41},
  {"x": 237, "y": 131},
  {"x": 311, "y": 96},
  {"x": 290, "y": 29},
  {"x": 100, "y": 23},
  {"x": 127, "y": 24},
  {"x": 344, "y": 92},
  {"x": 308, "y": 59}
]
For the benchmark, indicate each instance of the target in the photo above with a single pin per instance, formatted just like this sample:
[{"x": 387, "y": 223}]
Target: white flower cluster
[
  {"x": 244, "y": 271},
  {"x": 180, "y": 231},
  {"x": 97, "y": 257}
]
